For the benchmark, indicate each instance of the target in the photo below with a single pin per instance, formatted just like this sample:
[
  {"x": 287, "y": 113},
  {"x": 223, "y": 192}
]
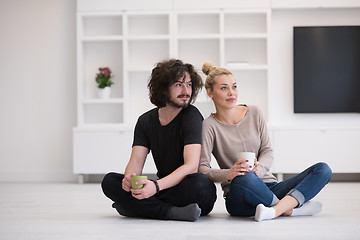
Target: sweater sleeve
[
  {"x": 208, "y": 135},
  {"x": 265, "y": 154}
]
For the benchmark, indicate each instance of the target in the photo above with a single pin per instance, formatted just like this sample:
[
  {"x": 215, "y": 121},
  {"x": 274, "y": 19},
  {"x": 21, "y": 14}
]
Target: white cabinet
[
  {"x": 297, "y": 149},
  {"x": 130, "y": 43},
  {"x": 148, "y": 41},
  {"x": 246, "y": 54},
  {"x": 237, "y": 40},
  {"x": 100, "y": 43},
  {"x": 99, "y": 152}
]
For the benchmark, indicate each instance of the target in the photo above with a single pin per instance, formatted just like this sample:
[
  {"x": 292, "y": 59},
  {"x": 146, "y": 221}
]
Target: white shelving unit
[
  {"x": 131, "y": 43},
  {"x": 100, "y": 43},
  {"x": 235, "y": 39}
]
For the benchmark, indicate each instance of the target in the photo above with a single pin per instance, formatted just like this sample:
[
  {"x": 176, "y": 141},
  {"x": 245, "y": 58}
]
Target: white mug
[{"x": 250, "y": 156}]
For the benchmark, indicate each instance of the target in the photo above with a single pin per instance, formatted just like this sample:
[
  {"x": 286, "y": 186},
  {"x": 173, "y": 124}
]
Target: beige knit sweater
[{"x": 226, "y": 141}]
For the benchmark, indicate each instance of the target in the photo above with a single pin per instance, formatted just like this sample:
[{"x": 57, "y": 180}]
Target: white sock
[
  {"x": 264, "y": 213},
  {"x": 307, "y": 209}
]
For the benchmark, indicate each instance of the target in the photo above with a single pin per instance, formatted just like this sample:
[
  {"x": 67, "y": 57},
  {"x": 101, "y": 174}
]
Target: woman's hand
[
  {"x": 256, "y": 168},
  {"x": 126, "y": 182},
  {"x": 241, "y": 167},
  {"x": 147, "y": 191}
]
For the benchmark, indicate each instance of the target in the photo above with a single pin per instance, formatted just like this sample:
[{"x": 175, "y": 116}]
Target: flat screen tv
[{"x": 327, "y": 69}]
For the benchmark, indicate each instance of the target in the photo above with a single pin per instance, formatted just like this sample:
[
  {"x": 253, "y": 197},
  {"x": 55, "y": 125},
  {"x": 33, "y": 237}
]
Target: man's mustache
[{"x": 183, "y": 95}]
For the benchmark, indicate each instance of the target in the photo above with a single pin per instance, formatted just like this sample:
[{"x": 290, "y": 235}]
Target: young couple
[{"x": 182, "y": 143}]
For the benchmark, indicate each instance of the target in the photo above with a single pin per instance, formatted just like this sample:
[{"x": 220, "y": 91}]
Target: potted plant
[{"x": 103, "y": 79}]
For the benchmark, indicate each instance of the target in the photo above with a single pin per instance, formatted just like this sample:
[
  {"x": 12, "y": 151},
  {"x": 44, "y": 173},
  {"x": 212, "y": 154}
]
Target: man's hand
[
  {"x": 147, "y": 191},
  {"x": 126, "y": 182}
]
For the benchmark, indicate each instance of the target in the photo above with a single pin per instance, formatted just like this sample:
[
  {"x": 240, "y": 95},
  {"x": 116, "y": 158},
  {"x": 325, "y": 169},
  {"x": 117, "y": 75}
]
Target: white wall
[
  {"x": 281, "y": 66},
  {"x": 37, "y": 89}
]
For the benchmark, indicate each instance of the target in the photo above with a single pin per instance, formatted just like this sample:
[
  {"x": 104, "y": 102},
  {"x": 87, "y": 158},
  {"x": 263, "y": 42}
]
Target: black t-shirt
[{"x": 167, "y": 142}]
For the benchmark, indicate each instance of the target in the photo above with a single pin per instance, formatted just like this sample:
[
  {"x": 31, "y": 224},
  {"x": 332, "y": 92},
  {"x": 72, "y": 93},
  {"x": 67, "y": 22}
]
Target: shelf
[
  {"x": 148, "y": 37},
  {"x": 101, "y": 54},
  {"x": 198, "y": 23},
  {"x": 139, "y": 98},
  {"x": 245, "y": 23},
  {"x": 246, "y": 67},
  {"x": 246, "y": 36},
  {"x": 148, "y": 24},
  {"x": 198, "y": 51},
  {"x": 140, "y": 69},
  {"x": 145, "y": 54},
  {"x": 198, "y": 36},
  {"x": 103, "y": 113},
  {"x": 102, "y": 101},
  {"x": 253, "y": 88},
  {"x": 102, "y": 38},
  {"x": 252, "y": 51},
  {"x": 99, "y": 25}
]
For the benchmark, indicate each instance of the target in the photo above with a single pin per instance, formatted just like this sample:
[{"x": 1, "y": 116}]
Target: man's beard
[{"x": 183, "y": 104}]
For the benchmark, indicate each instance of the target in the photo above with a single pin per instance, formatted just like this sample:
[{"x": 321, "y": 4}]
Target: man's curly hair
[{"x": 167, "y": 73}]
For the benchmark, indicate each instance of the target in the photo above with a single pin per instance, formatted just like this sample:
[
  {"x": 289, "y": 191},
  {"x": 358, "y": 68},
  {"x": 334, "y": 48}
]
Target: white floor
[{"x": 75, "y": 211}]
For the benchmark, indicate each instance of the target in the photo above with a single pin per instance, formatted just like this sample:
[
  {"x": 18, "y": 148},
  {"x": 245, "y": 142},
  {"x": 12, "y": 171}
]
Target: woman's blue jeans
[{"x": 247, "y": 191}]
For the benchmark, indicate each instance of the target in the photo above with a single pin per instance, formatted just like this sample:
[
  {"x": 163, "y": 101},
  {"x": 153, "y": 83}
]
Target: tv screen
[{"x": 327, "y": 69}]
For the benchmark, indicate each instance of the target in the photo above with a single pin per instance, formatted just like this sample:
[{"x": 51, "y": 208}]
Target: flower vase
[{"x": 104, "y": 92}]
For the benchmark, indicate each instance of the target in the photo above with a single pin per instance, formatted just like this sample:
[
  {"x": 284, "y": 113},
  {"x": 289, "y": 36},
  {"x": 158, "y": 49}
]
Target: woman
[{"x": 240, "y": 128}]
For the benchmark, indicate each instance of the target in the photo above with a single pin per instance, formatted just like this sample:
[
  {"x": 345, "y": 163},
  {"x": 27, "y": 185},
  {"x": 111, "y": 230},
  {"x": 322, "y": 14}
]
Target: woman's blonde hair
[{"x": 212, "y": 72}]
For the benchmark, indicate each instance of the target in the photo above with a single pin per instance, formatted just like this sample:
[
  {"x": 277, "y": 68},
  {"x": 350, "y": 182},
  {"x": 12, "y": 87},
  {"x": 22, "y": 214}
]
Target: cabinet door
[
  {"x": 100, "y": 152},
  {"x": 342, "y": 150},
  {"x": 295, "y": 150}
]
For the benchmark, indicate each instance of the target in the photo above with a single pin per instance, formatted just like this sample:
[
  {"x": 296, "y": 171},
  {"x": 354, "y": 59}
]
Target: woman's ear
[{"x": 209, "y": 92}]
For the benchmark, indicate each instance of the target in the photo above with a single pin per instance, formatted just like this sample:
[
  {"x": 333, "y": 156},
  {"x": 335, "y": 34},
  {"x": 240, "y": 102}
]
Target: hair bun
[{"x": 207, "y": 67}]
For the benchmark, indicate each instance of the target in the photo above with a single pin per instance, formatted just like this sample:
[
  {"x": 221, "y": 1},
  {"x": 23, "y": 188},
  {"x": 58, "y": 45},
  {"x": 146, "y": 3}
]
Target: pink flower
[{"x": 103, "y": 77}]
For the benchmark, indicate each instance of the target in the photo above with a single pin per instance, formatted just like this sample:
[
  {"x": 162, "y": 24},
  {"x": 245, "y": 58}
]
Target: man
[{"x": 172, "y": 132}]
